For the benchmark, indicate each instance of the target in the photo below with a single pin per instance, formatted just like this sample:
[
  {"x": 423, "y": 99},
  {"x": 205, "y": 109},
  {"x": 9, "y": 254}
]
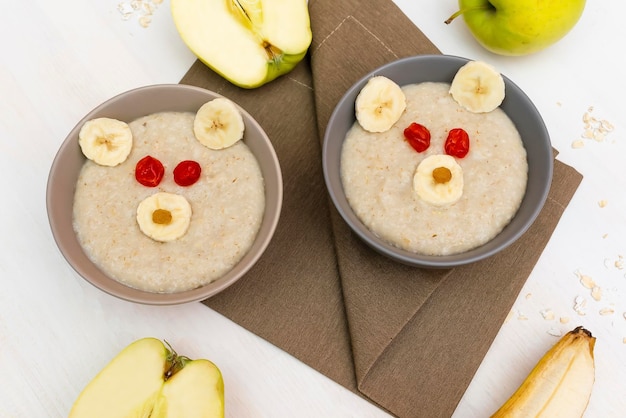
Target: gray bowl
[
  {"x": 127, "y": 107},
  {"x": 442, "y": 68}
]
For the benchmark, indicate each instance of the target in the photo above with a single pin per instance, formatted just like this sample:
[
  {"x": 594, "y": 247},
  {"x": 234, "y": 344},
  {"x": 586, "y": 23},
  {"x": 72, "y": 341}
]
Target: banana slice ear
[
  {"x": 218, "y": 124},
  {"x": 379, "y": 104},
  {"x": 478, "y": 87},
  {"x": 106, "y": 141}
]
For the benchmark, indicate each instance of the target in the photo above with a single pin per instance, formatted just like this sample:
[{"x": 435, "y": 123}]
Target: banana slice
[
  {"x": 438, "y": 180},
  {"x": 218, "y": 124},
  {"x": 106, "y": 141},
  {"x": 478, "y": 87},
  {"x": 164, "y": 216},
  {"x": 379, "y": 104}
]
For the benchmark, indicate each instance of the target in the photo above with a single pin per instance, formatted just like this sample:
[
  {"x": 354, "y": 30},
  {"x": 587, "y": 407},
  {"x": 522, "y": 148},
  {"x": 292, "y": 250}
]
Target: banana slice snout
[
  {"x": 164, "y": 216},
  {"x": 478, "y": 87},
  {"x": 438, "y": 180},
  {"x": 379, "y": 104},
  {"x": 106, "y": 141},
  {"x": 218, "y": 124}
]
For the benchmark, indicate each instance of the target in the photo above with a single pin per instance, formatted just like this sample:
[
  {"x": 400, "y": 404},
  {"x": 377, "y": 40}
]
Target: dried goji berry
[
  {"x": 458, "y": 143},
  {"x": 418, "y": 136},
  {"x": 187, "y": 173},
  {"x": 149, "y": 171}
]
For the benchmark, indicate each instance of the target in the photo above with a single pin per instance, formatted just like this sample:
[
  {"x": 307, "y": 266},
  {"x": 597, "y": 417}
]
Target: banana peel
[{"x": 561, "y": 382}]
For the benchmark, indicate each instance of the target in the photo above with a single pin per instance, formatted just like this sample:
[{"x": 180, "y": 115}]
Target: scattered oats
[
  {"x": 555, "y": 332},
  {"x": 602, "y": 203},
  {"x": 142, "y": 10},
  {"x": 599, "y": 136},
  {"x": 579, "y": 305},
  {"x": 586, "y": 281},
  {"x": 624, "y": 315},
  {"x": 547, "y": 314},
  {"x": 529, "y": 295},
  {"x": 521, "y": 316},
  {"x": 606, "y": 125},
  {"x": 604, "y": 236},
  {"x": 596, "y": 293},
  {"x": 607, "y": 311},
  {"x": 564, "y": 319},
  {"x": 126, "y": 10},
  {"x": 619, "y": 262},
  {"x": 144, "y": 21},
  {"x": 624, "y": 340},
  {"x": 559, "y": 104},
  {"x": 593, "y": 129}
]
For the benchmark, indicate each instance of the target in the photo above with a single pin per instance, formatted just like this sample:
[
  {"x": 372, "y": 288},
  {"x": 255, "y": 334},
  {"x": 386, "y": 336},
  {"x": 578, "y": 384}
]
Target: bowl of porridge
[
  {"x": 146, "y": 207},
  {"x": 444, "y": 185}
]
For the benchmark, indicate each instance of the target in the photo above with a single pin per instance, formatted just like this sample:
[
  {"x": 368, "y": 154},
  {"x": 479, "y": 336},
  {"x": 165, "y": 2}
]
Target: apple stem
[
  {"x": 468, "y": 9},
  {"x": 175, "y": 363}
]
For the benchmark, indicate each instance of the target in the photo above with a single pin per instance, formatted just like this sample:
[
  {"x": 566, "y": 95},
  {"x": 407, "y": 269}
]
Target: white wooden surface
[{"x": 58, "y": 60}]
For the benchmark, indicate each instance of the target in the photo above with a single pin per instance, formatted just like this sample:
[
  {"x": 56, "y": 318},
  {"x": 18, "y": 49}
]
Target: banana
[
  {"x": 105, "y": 141},
  {"x": 218, "y": 124},
  {"x": 561, "y": 382},
  {"x": 164, "y": 216},
  {"x": 478, "y": 87},
  {"x": 379, "y": 104},
  {"x": 438, "y": 180}
]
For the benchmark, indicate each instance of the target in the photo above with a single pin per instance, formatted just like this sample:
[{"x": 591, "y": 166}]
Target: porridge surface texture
[
  {"x": 377, "y": 172},
  {"x": 227, "y": 209}
]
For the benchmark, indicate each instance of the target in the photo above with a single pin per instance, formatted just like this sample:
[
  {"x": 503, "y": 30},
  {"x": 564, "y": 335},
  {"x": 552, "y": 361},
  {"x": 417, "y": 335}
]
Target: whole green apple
[{"x": 519, "y": 27}]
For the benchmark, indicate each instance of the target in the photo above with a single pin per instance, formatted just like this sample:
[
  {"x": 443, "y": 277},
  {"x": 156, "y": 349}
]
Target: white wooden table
[{"x": 58, "y": 60}]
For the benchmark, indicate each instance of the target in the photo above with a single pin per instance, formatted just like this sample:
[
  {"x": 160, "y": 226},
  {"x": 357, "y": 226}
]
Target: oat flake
[
  {"x": 142, "y": 10},
  {"x": 594, "y": 129}
]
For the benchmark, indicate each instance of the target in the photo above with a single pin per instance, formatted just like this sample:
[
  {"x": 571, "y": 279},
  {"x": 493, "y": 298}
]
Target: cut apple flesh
[
  {"x": 147, "y": 380},
  {"x": 193, "y": 392},
  {"x": 133, "y": 379},
  {"x": 247, "y": 42}
]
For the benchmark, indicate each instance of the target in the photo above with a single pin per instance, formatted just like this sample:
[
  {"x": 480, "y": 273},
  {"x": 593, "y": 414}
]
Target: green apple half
[
  {"x": 248, "y": 42},
  {"x": 519, "y": 27},
  {"x": 149, "y": 380}
]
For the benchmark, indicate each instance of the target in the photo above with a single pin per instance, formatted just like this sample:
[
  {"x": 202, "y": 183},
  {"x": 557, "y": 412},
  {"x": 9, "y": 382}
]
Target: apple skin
[
  {"x": 283, "y": 64},
  {"x": 520, "y": 27}
]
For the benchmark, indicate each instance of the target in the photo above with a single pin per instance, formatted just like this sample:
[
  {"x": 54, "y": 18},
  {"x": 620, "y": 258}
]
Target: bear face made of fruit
[
  {"x": 434, "y": 167},
  {"x": 170, "y": 201},
  {"x": 438, "y": 179}
]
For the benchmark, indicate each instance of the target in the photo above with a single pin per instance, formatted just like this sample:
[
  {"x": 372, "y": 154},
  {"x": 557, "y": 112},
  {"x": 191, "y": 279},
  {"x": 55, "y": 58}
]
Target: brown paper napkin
[{"x": 408, "y": 339}]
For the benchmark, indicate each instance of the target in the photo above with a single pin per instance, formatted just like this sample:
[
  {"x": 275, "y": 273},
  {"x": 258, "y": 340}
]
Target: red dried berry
[
  {"x": 457, "y": 144},
  {"x": 149, "y": 171},
  {"x": 187, "y": 173},
  {"x": 418, "y": 136}
]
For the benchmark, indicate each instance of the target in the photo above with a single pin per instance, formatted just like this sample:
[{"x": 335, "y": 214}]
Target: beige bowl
[{"x": 127, "y": 107}]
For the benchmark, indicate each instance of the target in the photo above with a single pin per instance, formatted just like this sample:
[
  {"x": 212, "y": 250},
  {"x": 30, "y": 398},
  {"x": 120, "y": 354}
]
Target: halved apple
[
  {"x": 147, "y": 379},
  {"x": 248, "y": 42}
]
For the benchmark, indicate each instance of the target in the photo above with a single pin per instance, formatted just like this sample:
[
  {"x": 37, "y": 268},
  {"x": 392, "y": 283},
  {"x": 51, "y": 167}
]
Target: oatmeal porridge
[
  {"x": 377, "y": 171},
  {"x": 227, "y": 205}
]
